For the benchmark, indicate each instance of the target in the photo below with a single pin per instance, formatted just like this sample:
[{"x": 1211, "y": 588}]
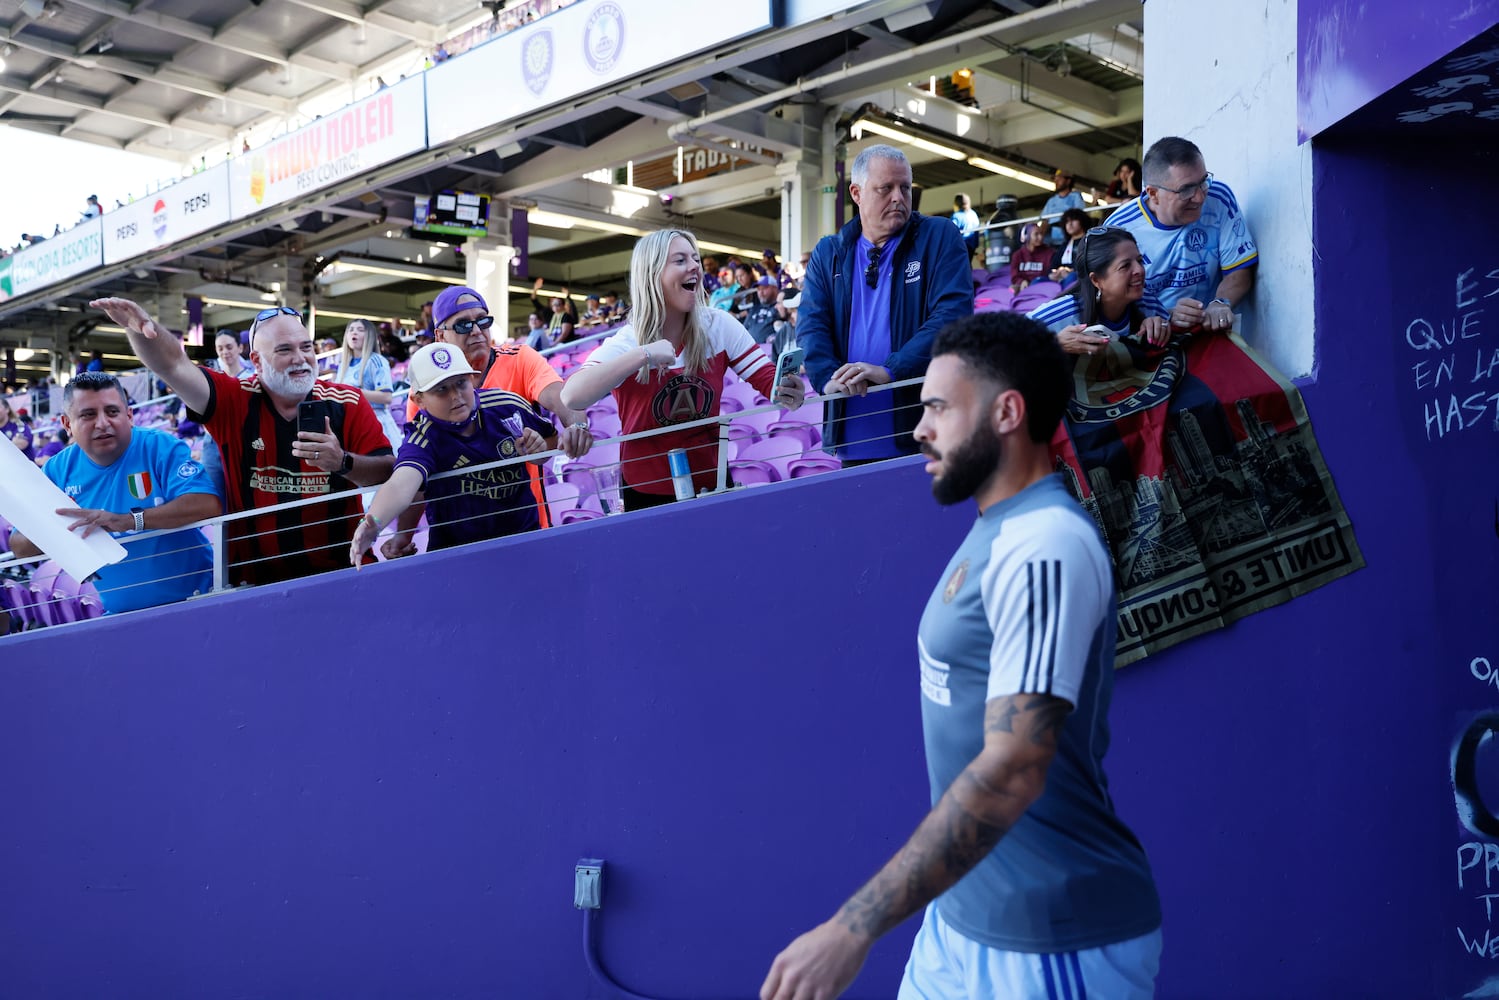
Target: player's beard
[
  {"x": 283, "y": 384},
  {"x": 967, "y": 467}
]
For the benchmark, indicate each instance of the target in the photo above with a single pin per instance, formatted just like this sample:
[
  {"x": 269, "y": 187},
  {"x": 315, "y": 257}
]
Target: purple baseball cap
[{"x": 453, "y": 301}]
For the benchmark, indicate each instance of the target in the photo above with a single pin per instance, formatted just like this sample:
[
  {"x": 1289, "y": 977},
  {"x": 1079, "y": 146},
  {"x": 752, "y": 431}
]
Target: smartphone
[
  {"x": 789, "y": 363},
  {"x": 312, "y": 415}
]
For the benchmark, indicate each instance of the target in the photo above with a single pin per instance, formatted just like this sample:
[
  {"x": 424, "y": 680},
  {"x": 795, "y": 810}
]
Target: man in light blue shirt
[
  {"x": 1034, "y": 888},
  {"x": 1200, "y": 256},
  {"x": 1060, "y": 202},
  {"x": 127, "y": 480}
]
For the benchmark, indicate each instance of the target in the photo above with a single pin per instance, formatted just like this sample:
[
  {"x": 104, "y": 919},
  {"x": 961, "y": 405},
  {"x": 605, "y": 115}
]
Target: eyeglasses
[
  {"x": 265, "y": 314},
  {"x": 464, "y": 327},
  {"x": 1188, "y": 191},
  {"x": 872, "y": 272}
]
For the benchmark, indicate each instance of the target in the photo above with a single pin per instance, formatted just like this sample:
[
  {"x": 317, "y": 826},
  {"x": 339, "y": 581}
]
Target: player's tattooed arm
[{"x": 976, "y": 811}]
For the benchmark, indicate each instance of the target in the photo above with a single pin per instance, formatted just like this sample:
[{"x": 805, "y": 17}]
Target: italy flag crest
[{"x": 140, "y": 485}]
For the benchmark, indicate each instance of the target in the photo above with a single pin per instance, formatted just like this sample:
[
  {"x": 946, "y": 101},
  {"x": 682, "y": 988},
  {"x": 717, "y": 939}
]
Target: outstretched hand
[{"x": 128, "y": 314}]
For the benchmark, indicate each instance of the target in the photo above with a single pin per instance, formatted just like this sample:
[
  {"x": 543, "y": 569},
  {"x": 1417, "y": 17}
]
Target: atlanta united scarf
[{"x": 1199, "y": 464}]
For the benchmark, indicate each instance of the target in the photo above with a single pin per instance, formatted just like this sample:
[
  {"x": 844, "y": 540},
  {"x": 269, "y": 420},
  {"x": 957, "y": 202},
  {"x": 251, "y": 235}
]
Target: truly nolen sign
[{"x": 339, "y": 146}]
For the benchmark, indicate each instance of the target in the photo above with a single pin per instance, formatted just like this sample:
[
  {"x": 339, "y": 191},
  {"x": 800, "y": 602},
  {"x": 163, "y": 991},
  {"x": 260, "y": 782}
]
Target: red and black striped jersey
[{"x": 260, "y": 471}]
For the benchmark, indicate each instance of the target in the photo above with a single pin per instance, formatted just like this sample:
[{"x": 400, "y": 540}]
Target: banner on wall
[
  {"x": 1200, "y": 467},
  {"x": 579, "y": 48},
  {"x": 339, "y": 146},
  {"x": 60, "y": 257},
  {"x": 5, "y": 291},
  {"x": 193, "y": 205}
]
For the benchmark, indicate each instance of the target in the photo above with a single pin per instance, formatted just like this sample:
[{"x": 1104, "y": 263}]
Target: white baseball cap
[{"x": 435, "y": 363}]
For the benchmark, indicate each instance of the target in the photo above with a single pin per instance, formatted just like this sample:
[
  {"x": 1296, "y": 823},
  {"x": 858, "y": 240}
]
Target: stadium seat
[
  {"x": 753, "y": 473},
  {"x": 812, "y": 465},
  {"x": 806, "y": 435},
  {"x": 40, "y": 588}
]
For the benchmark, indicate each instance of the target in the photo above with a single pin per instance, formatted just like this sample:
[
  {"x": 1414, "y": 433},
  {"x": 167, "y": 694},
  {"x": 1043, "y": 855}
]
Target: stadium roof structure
[{"x": 1054, "y": 83}]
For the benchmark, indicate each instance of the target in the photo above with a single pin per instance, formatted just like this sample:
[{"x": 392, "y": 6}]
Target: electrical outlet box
[{"x": 588, "y": 884}]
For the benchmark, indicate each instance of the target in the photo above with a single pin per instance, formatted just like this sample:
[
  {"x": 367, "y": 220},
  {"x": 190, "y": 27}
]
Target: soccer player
[
  {"x": 1199, "y": 254},
  {"x": 1040, "y": 889}
]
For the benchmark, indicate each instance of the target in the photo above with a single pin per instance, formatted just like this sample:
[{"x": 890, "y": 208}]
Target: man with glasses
[
  {"x": 461, "y": 318},
  {"x": 268, "y": 458},
  {"x": 127, "y": 480},
  {"x": 1199, "y": 254},
  {"x": 873, "y": 298}
]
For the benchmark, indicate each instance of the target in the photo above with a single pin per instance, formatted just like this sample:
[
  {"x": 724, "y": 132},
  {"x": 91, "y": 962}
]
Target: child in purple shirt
[{"x": 458, "y": 427}]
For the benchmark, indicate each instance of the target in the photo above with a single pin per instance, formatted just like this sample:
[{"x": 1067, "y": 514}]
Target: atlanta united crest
[{"x": 955, "y": 582}]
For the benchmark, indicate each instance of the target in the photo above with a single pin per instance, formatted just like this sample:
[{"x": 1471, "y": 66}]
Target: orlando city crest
[
  {"x": 536, "y": 61},
  {"x": 955, "y": 582}
]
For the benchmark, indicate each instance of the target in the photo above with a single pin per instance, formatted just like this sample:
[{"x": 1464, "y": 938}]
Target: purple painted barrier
[{"x": 1352, "y": 52}]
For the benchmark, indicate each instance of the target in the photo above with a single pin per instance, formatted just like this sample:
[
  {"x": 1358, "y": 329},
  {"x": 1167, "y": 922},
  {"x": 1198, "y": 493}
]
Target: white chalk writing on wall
[{"x": 1455, "y": 364}]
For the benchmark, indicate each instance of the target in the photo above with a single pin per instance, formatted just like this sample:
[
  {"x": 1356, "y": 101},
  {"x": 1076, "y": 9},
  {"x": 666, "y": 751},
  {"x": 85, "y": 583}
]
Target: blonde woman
[
  {"x": 361, "y": 365},
  {"x": 667, "y": 367}
]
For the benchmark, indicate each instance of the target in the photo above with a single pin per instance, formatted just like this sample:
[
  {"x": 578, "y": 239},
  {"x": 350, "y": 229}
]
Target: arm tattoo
[
  {"x": 972, "y": 816},
  {"x": 1037, "y": 717}
]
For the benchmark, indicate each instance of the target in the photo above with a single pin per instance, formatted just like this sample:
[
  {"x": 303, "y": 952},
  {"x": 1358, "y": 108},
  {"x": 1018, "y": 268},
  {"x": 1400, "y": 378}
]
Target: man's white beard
[{"x": 282, "y": 384}]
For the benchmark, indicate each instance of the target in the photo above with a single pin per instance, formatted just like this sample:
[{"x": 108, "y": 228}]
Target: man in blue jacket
[{"x": 873, "y": 299}]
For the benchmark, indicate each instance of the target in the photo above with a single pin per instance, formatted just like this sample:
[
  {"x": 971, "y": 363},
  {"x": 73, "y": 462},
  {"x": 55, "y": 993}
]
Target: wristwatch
[
  {"x": 139, "y": 513},
  {"x": 1223, "y": 302},
  {"x": 347, "y": 465},
  {"x": 581, "y": 422}
]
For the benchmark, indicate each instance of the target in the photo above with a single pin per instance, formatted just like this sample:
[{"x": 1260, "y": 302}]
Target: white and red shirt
[{"x": 677, "y": 397}]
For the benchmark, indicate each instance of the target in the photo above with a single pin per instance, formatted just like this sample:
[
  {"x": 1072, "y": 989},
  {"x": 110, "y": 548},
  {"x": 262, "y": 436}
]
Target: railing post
[
  {"x": 220, "y": 557},
  {"x": 723, "y": 453}
]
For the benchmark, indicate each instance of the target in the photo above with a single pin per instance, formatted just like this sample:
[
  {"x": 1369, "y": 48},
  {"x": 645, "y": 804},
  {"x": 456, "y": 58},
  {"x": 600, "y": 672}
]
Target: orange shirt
[{"x": 516, "y": 368}]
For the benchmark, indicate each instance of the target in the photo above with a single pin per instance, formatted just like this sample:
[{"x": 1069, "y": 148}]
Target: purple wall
[{"x": 1352, "y": 51}]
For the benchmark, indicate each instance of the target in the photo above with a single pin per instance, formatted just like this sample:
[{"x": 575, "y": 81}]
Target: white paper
[{"x": 28, "y": 500}]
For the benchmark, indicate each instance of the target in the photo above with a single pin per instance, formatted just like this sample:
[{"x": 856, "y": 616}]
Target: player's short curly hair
[{"x": 1014, "y": 352}]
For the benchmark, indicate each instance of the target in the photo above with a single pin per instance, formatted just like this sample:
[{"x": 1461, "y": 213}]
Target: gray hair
[
  {"x": 859, "y": 172},
  {"x": 1163, "y": 154}
]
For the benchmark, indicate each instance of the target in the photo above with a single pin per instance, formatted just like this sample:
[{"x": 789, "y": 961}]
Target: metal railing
[{"x": 796, "y": 447}]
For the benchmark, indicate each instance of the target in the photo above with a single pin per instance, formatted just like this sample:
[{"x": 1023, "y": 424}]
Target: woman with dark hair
[
  {"x": 1074, "y": 224},
  {"x": 1126, "y": 182},
  {"x": 1105, "y": 305}
]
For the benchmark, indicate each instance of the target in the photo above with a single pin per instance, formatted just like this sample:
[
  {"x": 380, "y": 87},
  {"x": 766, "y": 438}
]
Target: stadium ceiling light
[
  {"x": 230, "y": 303},
  {"x": 24, "y": 354},
  {"x": 556, "y": 220},
  {"x": 725, "y": 248},
  {"x": 1010, "y": 172},
  {"x": 865, "y": 125},
  {"x": 413, "y": 273}
]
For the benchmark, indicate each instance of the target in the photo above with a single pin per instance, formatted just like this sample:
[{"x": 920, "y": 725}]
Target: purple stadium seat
[
  {"x": 89, "y": 605},
  {"x": 743, "y": 392},
  {"x": 806, "y": 435},
  {"x": 65, "y": 595},
  {"x": 579, "y": 475},
  {"x": 4, "y": 535},
  {"x": 561, "y": 497},
  {"x": 758, "y": 422},
  {"x": 577, "y": 515},
  {"x": 741, "y": 433},
  {"x": 1035, "y": 294},
  {"x": 40, "y": 587},
  {"x": 812, "y": 465},
  {"x": 809, "y": 412},
  {"x": 730, "y": 404},
  {"x": 753, "y": 473}
]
